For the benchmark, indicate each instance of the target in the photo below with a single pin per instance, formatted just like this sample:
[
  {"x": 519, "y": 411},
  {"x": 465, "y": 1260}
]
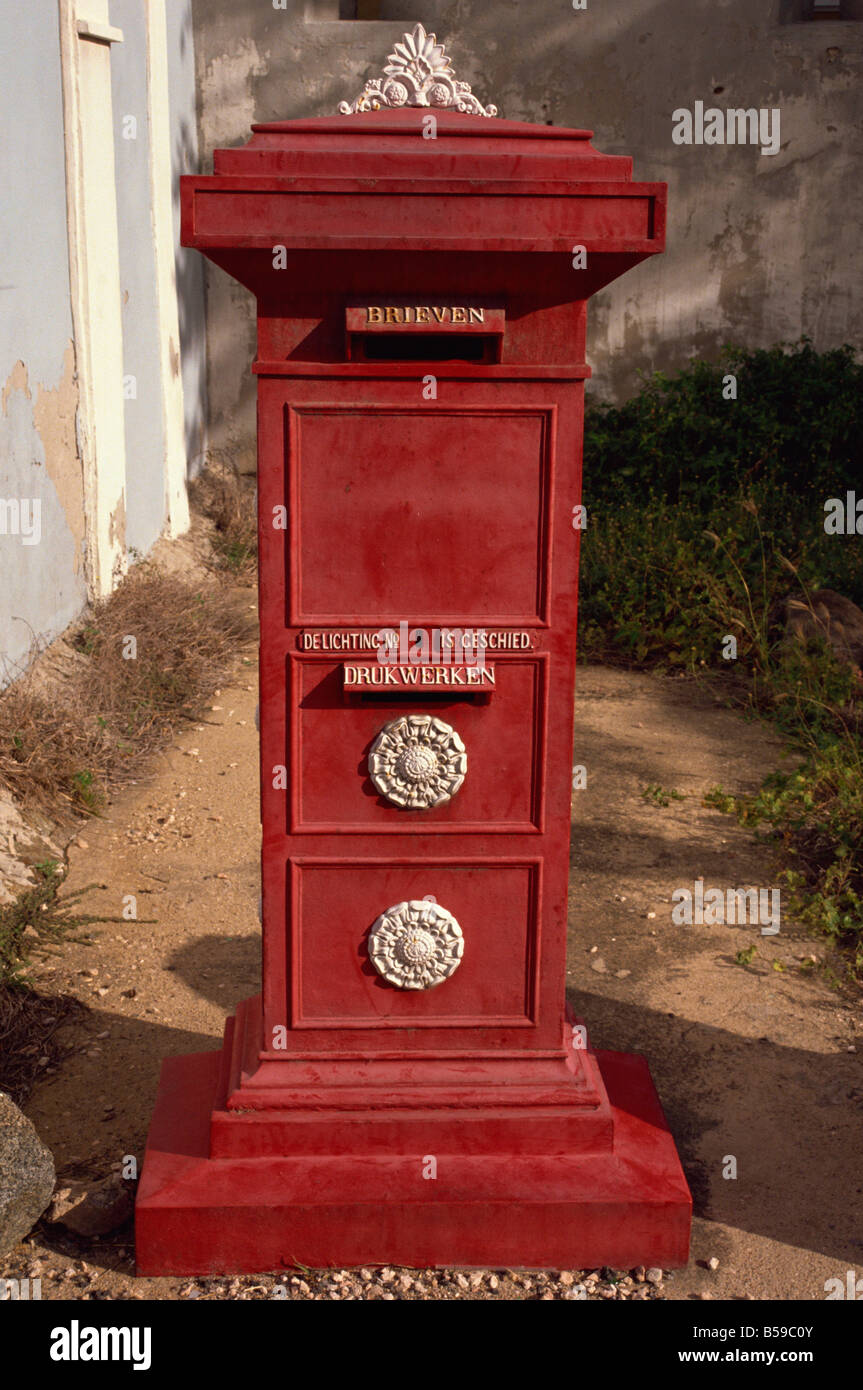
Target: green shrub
[
  {"x": 704, "y": 515},
  {"x": 797, "y": 421},
  {"x": 37, "y": 921},
  {"x": 816, "y": 814}
]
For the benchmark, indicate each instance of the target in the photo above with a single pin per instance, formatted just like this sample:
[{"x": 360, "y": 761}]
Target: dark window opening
[
  {"x": 319, "y": 10},
  {"x": 805, "y": 11},
  {"x": 399, "y": 11},
  {"x": 360, "y": 9}
]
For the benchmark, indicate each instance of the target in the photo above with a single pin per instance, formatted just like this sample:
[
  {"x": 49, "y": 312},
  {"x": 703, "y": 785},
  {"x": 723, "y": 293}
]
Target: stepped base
[{"x": 623, "y": 1207}]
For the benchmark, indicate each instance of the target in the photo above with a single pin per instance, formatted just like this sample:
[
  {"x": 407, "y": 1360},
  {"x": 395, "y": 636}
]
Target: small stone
[
  {"x": 654, "y": 1276},
  {"x": 366, "y": 1276},
  {"x": 622, "y": 974},
  {"x": 713, "y": 1263},
  {"x": 461, "y": 1281},
  {"x": 599, "y": 965},
  {"x": 493, "y": 1281},
  {"x": 566, "y": 1278},
  {"x": 705, "y": 1296},
  {"x": 387, "y": 1275},
  {"x": 93, "y": 1209}
]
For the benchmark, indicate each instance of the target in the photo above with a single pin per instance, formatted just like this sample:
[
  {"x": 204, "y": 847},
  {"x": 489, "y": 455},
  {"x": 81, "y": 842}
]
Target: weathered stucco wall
[
  {"x": 49, "y": 512},
  {"x": 761, "y": 248},
  {"x": 42, "y": 570}
]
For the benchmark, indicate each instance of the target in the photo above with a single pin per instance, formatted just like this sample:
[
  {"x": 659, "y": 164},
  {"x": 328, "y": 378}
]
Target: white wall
[{"x": 42, "y": 587}]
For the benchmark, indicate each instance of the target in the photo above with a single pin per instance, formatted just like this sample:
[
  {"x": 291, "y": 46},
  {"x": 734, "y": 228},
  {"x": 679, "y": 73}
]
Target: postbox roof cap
[
  {"x": 370, "y": 181},
  {"x": 390, "y": 144}
]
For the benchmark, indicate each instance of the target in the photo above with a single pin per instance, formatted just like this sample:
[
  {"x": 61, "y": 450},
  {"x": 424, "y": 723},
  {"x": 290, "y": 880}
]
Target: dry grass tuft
[
  {"x": 229, "y": 502},
  {"x": 80, "y": 723},
  {"x": 153, "y": 652}
]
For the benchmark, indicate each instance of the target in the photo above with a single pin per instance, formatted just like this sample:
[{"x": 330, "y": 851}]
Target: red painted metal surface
[{"x": 307, "y": 1139}]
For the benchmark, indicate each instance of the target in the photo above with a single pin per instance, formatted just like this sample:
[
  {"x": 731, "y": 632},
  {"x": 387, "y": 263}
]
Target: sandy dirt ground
[{"x": 755, "y": 1062}]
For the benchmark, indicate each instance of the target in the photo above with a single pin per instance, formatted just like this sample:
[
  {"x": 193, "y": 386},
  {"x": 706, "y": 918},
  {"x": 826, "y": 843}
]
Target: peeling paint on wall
[
  {"x": 117, "y": 524},
  {"x": 55, "y": 415},
  {"x": 43, "y": 585}
]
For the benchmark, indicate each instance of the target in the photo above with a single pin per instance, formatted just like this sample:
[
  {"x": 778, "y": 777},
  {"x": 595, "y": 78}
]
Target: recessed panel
[
  {"x": 335, "y": 906},
  {"x": 398, "y": 514},
  {"x": 333, "y": 734}
]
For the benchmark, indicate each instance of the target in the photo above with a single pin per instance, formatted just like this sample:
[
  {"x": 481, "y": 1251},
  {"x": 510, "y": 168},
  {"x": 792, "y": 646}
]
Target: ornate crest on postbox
[{"x": 418, "y": 73}]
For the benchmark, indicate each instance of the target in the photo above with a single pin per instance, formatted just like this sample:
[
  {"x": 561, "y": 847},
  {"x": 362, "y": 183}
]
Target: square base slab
[{"x": 197, "y": 1215}]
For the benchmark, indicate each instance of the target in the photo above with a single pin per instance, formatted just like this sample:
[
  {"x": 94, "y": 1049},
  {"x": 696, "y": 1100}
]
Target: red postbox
[{"x": 408, "y": 1088}]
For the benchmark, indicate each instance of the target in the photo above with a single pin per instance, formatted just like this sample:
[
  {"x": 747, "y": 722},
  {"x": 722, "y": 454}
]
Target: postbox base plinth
[{"x": 202, "y": 1215}]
